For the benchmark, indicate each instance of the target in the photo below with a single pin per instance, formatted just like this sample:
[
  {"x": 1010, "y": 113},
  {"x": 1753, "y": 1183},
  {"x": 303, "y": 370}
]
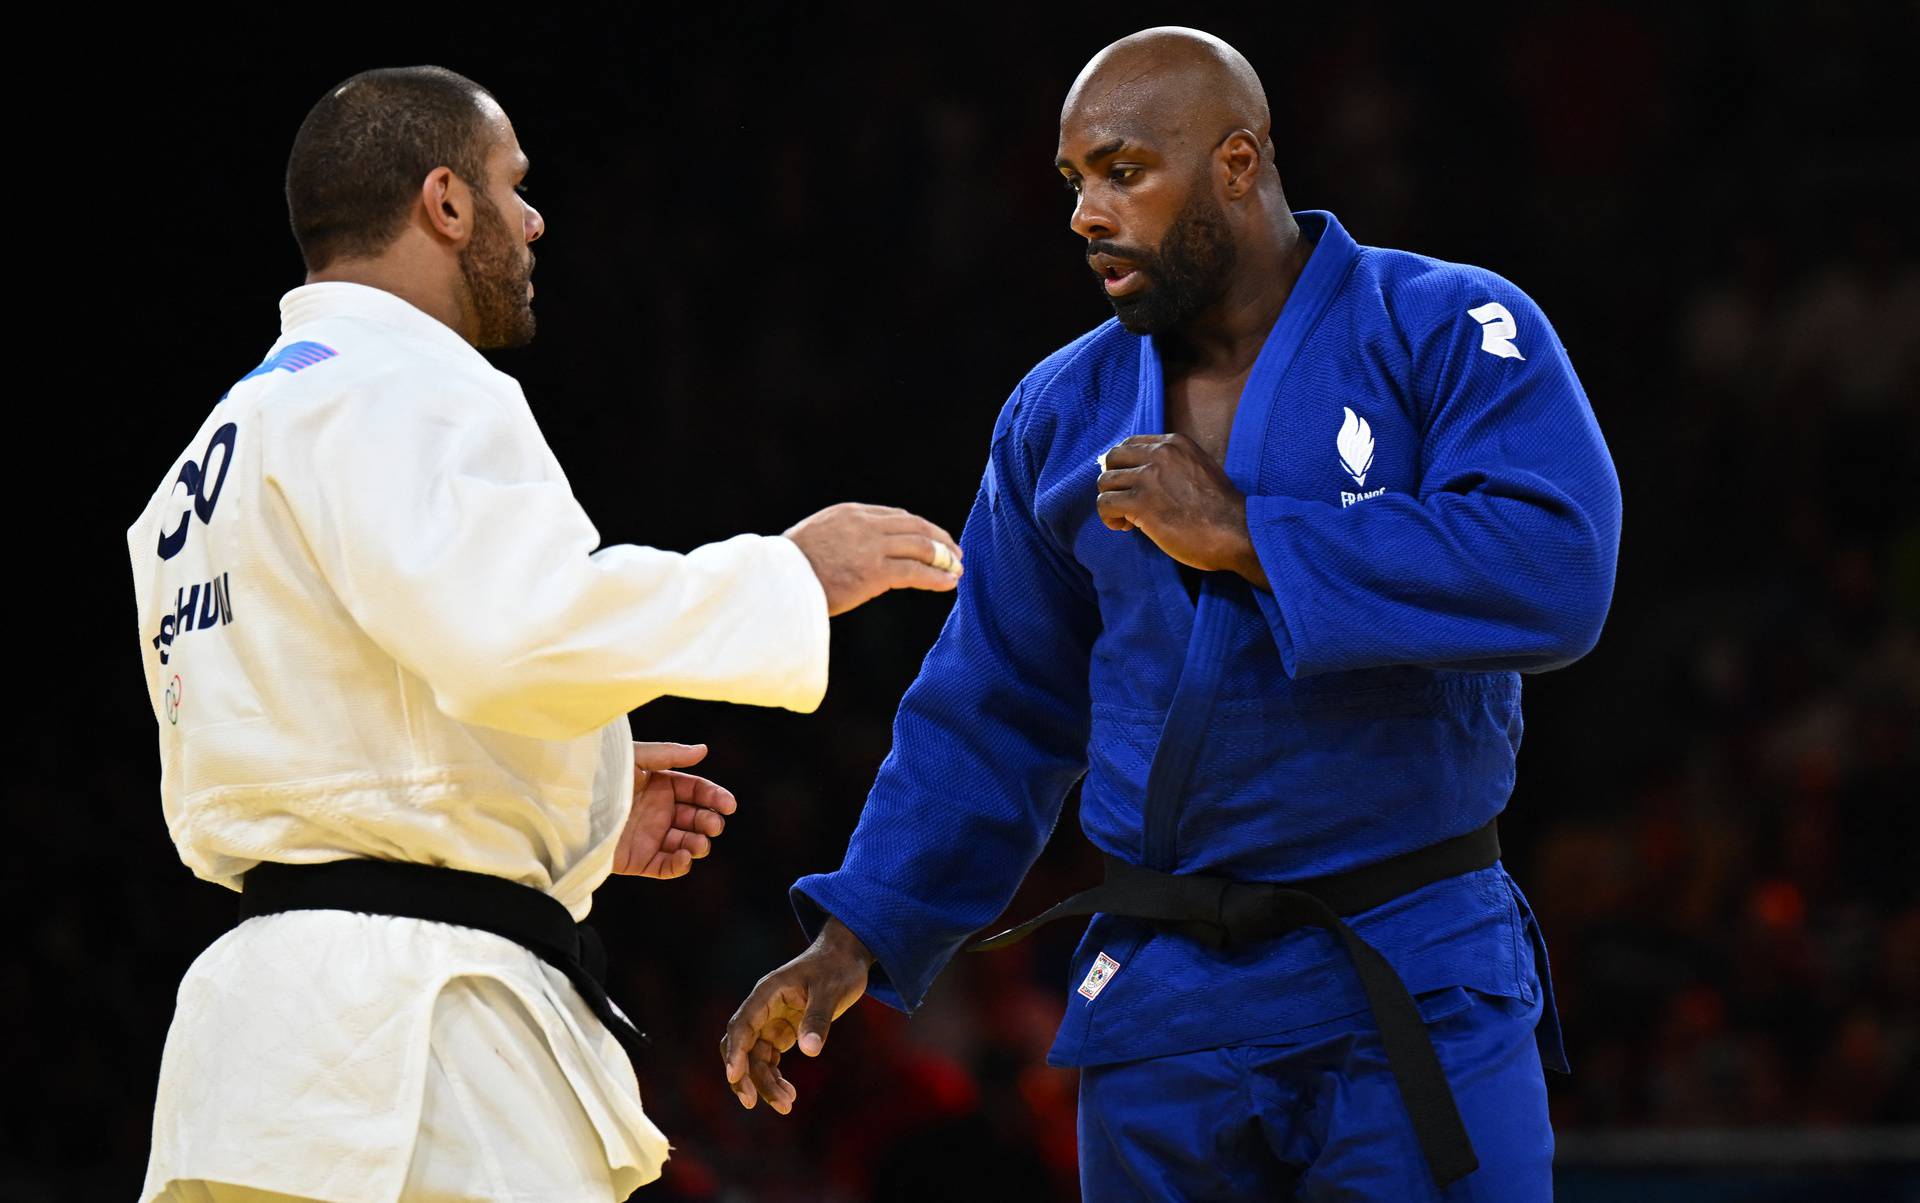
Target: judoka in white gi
[{"x": 374, "y": 625}]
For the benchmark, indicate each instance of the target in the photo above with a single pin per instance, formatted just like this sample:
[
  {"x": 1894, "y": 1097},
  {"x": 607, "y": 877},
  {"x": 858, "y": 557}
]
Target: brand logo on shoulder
[
  {"x": 1104, "y": 967},
  {"x": 1497, "y": 329}
]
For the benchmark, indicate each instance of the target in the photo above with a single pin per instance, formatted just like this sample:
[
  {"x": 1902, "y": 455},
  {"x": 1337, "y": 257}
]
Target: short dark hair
[{"x": 360, "y": 155}]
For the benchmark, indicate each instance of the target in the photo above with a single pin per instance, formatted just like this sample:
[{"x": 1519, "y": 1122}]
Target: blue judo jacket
[{"x": 1432, "y": 501}]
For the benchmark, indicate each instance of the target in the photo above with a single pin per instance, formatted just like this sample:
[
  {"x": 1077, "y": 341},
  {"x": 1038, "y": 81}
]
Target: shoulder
[
  {"x": 1421, "y": 293},
  {"x": 346, "y": 367},
  {"x": 1445, "y": 313}
]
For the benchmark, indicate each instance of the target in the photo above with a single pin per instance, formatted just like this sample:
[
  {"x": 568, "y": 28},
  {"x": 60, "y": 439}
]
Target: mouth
[{"x": 1117, "y": 276}]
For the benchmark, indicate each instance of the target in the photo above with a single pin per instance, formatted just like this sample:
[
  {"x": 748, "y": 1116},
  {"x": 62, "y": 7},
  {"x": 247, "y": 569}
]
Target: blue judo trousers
[{"x": 1434, "y": 506}]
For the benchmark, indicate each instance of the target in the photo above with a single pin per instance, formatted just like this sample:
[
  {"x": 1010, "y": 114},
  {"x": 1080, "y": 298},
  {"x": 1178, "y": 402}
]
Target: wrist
[
  {"x": 837, "y": 938},
  {"x": 1240, "y": 555}
]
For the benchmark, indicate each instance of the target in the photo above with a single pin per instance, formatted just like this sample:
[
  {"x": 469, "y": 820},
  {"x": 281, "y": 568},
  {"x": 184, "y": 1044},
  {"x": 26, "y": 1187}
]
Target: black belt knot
[
  {"x": 1220, "y": 912},
  {"x": 534, "y": 920}
]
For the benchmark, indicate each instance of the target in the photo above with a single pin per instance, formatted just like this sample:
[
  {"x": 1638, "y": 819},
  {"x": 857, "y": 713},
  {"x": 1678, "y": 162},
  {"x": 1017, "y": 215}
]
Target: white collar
[{"x": 338, "y": 298}]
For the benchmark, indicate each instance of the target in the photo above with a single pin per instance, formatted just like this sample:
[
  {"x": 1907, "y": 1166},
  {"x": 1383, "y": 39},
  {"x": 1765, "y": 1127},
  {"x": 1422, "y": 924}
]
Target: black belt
[
  {"x": 1219, "y": 911},
  {"x": 537, "y": 922}
]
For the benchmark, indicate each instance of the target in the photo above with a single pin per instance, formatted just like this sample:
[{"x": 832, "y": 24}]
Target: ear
[
  {"x": 1240, "y": 156},
  {"x": 447, "y": 203}
]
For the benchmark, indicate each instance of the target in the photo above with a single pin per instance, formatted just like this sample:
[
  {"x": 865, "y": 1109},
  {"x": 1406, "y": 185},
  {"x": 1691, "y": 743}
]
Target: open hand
[{"x": 675, "y": 816}]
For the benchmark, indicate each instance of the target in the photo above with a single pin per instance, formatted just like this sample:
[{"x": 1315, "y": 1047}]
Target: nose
[
  {"x": 536, "y": 225},
  {"x": 1090, "y": 219}
]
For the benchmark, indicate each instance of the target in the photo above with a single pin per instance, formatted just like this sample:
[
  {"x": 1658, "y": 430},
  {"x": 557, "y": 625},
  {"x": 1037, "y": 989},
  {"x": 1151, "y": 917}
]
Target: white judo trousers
[
  {"x": 374, "y": 623},
  {"x": 493, "y": 1077},
  {"x": 495, "y": 1122}
]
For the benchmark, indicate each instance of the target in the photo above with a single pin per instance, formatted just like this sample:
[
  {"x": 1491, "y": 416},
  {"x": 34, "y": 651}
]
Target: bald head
[
  {"x": 1166, "y": 144},
  {"x": 1183, "y": 89}
]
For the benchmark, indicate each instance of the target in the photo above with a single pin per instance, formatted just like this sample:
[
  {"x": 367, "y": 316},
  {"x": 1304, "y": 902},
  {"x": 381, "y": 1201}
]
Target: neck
[
  {"x": 405, "y": 281},
  {"x": 1226, "y": 337}
]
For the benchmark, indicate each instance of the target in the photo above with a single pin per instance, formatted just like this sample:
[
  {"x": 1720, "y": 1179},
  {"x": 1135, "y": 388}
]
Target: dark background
[{"x": 801, "y": 255}]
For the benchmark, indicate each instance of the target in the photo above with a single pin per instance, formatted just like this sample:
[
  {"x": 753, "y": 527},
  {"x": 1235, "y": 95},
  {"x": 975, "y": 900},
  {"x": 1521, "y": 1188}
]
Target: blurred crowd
[{"x": 1715, "y": 815}]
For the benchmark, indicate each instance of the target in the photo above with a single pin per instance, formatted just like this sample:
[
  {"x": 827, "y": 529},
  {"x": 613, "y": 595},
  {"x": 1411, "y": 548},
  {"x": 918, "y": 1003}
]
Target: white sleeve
[{"x": 444, "y": 527}]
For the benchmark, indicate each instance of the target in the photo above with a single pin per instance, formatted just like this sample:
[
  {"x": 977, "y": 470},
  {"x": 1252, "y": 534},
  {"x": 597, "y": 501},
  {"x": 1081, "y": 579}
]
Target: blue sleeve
[
  {"x": 1502, "y": 560},
  {"x": 988, "y": 740}
]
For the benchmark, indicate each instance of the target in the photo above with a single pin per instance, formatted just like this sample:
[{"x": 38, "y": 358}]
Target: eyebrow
[{"x": 1093, "y": 156}]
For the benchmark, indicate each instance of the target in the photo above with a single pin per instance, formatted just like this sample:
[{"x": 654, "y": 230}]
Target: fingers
[
  {"x": 763, "y": 1070},
  {"x": 668, "y": 865},
  {"x": 914, "y": 574},
  {"x": 923, "y": 549},
  {"x": 780, "y": 1033},
  {"x": 1116, "y": 508},
  {"x": 1130, "y": 454},
  {"x": 688, "y": 788},
  {"x": 695, "y": 845},
  {"x": 695, "y": 820},
  {"x": 895, "y": 521},
  {"x": 858, "y": 552},
  {"x": 899, "y": 521},
  {"x": 710, "y": 796},
  {"x": 743, "y": 1032},
  {"x": 651, "y": 757},
  {"x": 914, "y": 524},
  {"x": 884, "y": 519},
  {"x": 774, "y": 998},
  {"x": 1138, "y": 450}
]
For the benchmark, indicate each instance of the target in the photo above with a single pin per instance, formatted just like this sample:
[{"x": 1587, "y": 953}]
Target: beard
[
  {"x": 496, "y": 274},
  {"x": 1186, "y": 275}
]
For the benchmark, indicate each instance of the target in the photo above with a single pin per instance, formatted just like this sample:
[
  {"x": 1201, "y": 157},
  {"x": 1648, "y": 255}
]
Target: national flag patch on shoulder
[
  {"x": 1104, "y": 967},
  {"x": 293, "y": 358}
]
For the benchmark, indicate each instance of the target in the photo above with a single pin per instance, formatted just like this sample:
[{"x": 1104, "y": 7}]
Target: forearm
[{"x": 1471, "y": 581}]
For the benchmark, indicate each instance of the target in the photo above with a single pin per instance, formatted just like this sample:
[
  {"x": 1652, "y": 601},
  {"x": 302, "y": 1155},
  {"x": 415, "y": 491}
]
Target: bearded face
[
  {"x": 1188, "y": 273},
  {"x": 497, "y": 268}
]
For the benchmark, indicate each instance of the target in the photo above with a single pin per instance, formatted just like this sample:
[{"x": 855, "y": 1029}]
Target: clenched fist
[
  {"x": 861, "y": 551},
  {"x": 1176, "y": 495}
]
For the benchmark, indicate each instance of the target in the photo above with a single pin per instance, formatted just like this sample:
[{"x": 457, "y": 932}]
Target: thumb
[
  {"x": 651, "y": 757},
  {"x": 814, "y": 1024}
]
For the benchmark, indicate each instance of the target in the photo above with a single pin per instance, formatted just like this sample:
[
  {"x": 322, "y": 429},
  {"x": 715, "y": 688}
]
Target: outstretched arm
[
  {"x": 439, "y": 519},
  {"x": 988, "y": 740}
]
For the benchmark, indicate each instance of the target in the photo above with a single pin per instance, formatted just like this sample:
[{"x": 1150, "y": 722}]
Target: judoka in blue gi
[{"x": 1348, "y": 496}]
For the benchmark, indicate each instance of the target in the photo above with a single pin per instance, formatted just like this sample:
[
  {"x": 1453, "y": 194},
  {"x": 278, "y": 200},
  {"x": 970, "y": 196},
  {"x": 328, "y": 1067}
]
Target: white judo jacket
[{"x": 374, "y": 624}]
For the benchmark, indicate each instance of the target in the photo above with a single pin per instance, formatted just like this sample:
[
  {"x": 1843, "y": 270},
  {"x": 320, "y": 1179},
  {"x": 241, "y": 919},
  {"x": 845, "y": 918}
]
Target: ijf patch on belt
[{"x": 1104, "y": 967}]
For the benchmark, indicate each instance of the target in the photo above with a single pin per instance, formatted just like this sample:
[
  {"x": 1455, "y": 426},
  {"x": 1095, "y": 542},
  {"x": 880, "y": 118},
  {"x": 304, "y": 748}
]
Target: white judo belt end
[{"x": 1104, "y": 967}]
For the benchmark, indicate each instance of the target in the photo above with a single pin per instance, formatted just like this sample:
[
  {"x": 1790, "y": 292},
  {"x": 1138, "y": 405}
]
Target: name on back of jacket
[
  {"x": 198, "y": 607},
  {"x": 206, "y": 604}
]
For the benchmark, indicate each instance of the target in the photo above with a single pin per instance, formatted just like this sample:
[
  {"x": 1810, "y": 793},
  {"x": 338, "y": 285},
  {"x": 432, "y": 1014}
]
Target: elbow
[
  {"x": 506, "y": 690},
  {"x": 1571, "y": 628},
  {"x": 497, "y": 706},
  {"x": 1574, "y": 636}
]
